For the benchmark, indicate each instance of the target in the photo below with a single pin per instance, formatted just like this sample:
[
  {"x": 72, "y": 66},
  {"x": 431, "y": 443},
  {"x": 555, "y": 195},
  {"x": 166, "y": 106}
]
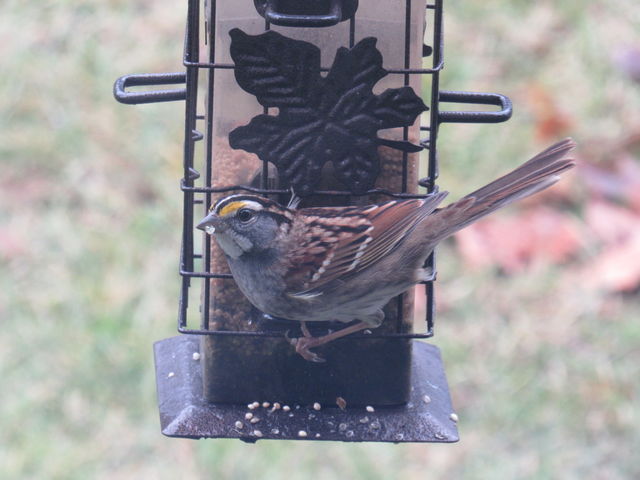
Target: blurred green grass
[{"x": 543, "y": 373}]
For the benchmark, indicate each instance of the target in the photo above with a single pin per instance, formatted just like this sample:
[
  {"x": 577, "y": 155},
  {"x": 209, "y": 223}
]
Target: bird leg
[
  {"x": 303, "y": 344},
  {"x": 304, "y": 329}
]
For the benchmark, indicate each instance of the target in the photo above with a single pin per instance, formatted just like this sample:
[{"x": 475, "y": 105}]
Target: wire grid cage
[{"x": 199, "y": 148}]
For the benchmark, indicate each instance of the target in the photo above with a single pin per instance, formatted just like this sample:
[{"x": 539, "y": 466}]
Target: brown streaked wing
[
  {"x": 361, "y": 237},
  {"x": 318, "y": 232}
]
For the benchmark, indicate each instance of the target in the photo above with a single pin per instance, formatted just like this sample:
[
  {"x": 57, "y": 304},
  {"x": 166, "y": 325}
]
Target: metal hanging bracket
[
  {"x": 320, "y": 13},
  {"x": 151, "y": 96},
  {"x": 475, "y": 98}
]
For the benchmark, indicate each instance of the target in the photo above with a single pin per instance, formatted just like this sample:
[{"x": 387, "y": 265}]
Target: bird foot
[{"x": 302, "y": 346}]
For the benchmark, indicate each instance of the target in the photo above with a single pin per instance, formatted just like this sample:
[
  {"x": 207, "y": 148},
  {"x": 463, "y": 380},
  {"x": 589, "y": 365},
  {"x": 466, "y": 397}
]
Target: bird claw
[
  {"x": 291, "y": 340},
  {"x": 302, "y": 346}
]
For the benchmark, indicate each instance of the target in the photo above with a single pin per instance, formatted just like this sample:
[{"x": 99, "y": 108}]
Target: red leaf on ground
[
  {"x": 532, "y": 236},
  {"x": 617, "y": 268},
  {"x": 550, "y": 121},
  {"x": 611, "y": 223}
]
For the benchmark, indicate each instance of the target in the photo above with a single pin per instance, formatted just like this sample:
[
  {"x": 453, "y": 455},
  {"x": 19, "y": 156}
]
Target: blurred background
[{"x": 538, "y": 306}]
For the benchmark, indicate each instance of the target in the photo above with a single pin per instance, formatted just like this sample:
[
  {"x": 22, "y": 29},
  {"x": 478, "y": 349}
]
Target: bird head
[{"x": 245, "y": 223}]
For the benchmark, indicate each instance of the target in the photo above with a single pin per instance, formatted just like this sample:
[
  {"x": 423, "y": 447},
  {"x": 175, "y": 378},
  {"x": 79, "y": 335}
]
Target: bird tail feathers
[{"x": 535, "y": 175}]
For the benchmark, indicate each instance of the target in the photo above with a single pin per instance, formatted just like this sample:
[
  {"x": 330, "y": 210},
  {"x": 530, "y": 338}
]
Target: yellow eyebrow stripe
[{"x": 230, "y": 208}]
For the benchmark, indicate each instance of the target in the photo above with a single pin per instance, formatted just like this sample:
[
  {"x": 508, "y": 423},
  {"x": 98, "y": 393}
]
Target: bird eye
[{"x": 245, "y": 215}]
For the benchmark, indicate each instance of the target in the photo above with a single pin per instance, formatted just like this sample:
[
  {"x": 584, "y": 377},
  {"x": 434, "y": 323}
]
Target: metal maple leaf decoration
[{"x": 320, "y": 118}]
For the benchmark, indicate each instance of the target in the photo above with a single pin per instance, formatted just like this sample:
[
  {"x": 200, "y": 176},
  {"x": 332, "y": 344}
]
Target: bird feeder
[{"x": 338, "y": 101}]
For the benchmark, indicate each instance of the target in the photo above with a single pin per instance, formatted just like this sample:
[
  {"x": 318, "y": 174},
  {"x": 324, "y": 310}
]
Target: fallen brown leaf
[
  {"x": 617, "y": 267},
  {"x": 513, "y": 243},
  {"x": 550, "y": 121},
  {"x": 617, "y": 228},
  {"x": 610, "y": 223}
]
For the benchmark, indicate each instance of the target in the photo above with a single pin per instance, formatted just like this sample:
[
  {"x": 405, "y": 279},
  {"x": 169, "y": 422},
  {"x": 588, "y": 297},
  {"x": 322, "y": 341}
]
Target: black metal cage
[
  {"x": 195, "y": 265},
  {"x": 200, "y": 150}
]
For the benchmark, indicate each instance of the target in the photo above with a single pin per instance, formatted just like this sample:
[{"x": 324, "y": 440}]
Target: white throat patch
[{"x": 228, "y": 245}]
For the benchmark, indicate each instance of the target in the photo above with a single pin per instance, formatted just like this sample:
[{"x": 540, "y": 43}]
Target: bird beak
[{"x": 209, "y": 223}]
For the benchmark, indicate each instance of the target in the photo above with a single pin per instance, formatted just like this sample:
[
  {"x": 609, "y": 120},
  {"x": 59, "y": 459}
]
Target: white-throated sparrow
[{"x": 346, "y": 263}]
